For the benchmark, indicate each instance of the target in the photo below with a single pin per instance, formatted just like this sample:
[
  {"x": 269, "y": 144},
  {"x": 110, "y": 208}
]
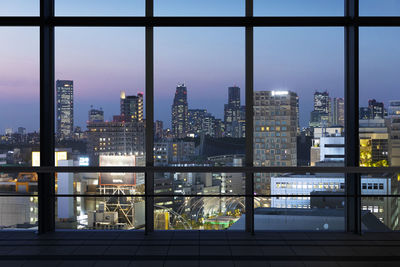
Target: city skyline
[{"x": 109, "y": 60}]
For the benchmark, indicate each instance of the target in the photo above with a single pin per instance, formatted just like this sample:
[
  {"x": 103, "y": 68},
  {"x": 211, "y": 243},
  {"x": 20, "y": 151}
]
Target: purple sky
[{"x": 104, "y": 61}]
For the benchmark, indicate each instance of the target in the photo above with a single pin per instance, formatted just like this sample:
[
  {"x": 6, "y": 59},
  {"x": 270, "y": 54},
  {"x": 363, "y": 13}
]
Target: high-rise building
[
  {"x": 180, "y": 112},
  {"x": 232, "y": 112},
  {"x": 21, "y": 130},
  {"x": 322, "y": 102},
  {"x": 321, "y": 115},
  {"x": 65, "y": 108},
  {"x": 209, "y": 125},
  {"x": 132, "y": 107},
  {"x": 394, "y": 108},
  {"x": 195, "y": 120},
  {"x": 364, "y": 113},
  {"x": 96, "y": 115},
  {"x": 377, "y": 109},
  {"x": 158, "y": 129},
  {"x": 338, "y": 111},
  {"x": 275, "y": 131}
]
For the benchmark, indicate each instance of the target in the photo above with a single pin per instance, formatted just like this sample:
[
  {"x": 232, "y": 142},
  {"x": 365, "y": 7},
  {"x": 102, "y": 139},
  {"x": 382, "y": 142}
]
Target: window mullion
[
  {"x": 149, "y": 69},
  {"x": 249, "y": 121},
  {"x": 46, "y": 181}
]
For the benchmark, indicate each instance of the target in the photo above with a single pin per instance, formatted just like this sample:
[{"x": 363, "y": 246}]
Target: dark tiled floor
[{"x": 198, "y": 248}]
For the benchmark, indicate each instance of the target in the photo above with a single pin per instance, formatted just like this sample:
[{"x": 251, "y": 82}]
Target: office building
[
  {"x": 179, "y": 113},
  {"x": 158, "y": 129},
  {"x": 377, "y": 110},
  {"x": 65, "y": 109},
  {"x": 195, "y": 121},
  {"x": 321, "y": 115},
  {"x": 131, "y": 107},
  {"x": 275, "y": 131},
  {"x": 338, "y": 111},
  {"x": 232, "y": 113},
  {"x": 96, "y": 115},
  {"x": 114, "y": 138},
  {"x": 312, "y": 184}
]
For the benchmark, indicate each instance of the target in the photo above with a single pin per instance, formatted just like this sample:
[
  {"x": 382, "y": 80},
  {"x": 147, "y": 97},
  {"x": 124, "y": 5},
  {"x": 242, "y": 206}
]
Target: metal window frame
[{"x": 47, "y": 21}]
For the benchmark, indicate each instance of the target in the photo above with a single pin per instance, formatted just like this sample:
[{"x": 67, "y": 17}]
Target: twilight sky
[{"x": 104, "y": 61}]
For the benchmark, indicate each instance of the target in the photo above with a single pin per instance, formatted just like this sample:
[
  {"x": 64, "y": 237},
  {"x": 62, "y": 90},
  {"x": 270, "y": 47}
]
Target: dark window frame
[{"x": 47, "y": 22}]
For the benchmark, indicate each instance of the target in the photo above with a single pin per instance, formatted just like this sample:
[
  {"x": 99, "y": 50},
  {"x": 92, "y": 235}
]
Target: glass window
[
  {"x": 99, "y": 7},
  {"x": 379, "y": 8},
  {"x": 93, "y": 128},
  {"x": 19, "y": 8},
  {"x": 199, "y": 7},
  {"x": 199, "y": 96},
  {"x": 298, "y": 8}
]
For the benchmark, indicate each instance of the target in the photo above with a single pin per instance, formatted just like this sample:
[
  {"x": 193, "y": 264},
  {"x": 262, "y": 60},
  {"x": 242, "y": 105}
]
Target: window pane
[
  {"x": 380, "y": 213},
  {"x": 99, "y": 96},
  {"x": 198, "y": 213},
  {"x": 19, "y": 8},
  {"x": 379, "y": 97},
  {"x": 199, "y": 96},
  {"x": 379, "y": 8},
  {"x": 199, "y": 7},
  {"x": 100, "y": 213},
  {"x": 18, "y": 212},
  {"x": 99, "y": 7},
  {"x": 311, "y": 202},
  {"x": 19, "y": 88},
  {"x": 298, "y": 97},
  {"x": 298, "y": 8}
]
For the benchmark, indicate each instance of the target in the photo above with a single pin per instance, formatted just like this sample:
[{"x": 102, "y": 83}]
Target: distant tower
[
  {"x": 321, "y": 115},
  {"x": 232, "y": 112},
  {"x": 180, "y": 112},
  {"x": 65, "y": 108},
  {"x": 338, "y": 111},
  {"x": 132, "y": 107},
  {"x": 377, "y": 109},
  {"x": 96, "y": 115}
]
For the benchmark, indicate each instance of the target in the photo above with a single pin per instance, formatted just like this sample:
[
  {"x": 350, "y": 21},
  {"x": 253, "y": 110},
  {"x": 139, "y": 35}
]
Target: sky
[{"x": 104, "y": 61}]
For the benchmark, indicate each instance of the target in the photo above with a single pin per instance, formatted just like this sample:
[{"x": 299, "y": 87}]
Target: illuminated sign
[
  {"x": 58, "y": 155},
  {"x": 117, "y": 178}
]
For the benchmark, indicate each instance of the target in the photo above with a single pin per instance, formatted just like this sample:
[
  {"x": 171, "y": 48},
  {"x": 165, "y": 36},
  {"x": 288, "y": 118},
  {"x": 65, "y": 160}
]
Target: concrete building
[
  {"x": 96, "y": 115},
  {"x": 384, "y": 209},
  {"x": 131, "y": 107},
  {"x": 114, "y": 138},
  {"x": 275, "y": 131}
]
